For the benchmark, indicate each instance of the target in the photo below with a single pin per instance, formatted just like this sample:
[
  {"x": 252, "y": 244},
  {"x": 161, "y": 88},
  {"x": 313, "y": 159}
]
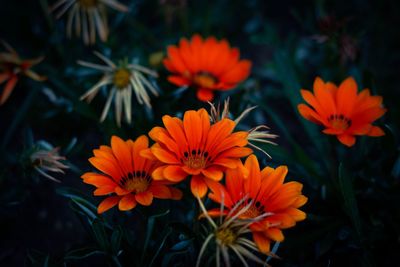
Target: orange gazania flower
[
  {"x": 11, "y": 67},
  {"x": 126, "y": 176},
  {"x": 208, "y": 65},
  {"x": 196, "y": 147},
  {"x": 342, "y": 111},
  {"x": 270, "y": 203}
]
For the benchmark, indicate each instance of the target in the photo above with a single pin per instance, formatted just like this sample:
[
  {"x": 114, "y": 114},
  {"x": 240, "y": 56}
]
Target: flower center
[
  {"x": 121, "y": 78},
  {"x": 137, "y": 182},
  {"x": 205, "y": 79},
  {"x": 196, "y": 159},
  {"x": 339, "y": 122},
  {"x": 254, "y": 211},
  {"x": 88, "y": 3},
  {"x": 225, "y": 236}
]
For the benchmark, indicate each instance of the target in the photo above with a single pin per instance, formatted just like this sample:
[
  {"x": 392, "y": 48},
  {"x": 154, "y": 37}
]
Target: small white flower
[
  {"x": 124, "y": 79},
  {"x": 230, "y": 233},
  {"x": 88, "y": 17}
]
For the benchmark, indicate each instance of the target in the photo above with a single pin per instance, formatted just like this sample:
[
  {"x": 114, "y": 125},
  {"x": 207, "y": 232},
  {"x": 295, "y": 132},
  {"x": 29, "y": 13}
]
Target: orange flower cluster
[{"x": 207, "y": 150}]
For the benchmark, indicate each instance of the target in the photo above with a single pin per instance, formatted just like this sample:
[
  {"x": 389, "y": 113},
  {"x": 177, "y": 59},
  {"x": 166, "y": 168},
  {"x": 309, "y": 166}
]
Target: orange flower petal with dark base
[
  {"x": 342, "y": 111},
  {"x": 206, "y": 64},
  {"x": 127, "y": 175}
]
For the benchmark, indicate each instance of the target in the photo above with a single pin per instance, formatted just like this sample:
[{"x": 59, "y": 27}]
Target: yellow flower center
[
  {"x": 88, "y": 3},
  {"x": 225, "y": 236},
  {"x": 204, "y": 80},
  {"x": 137, "y": 182},
  {"x": 339, "y": 122},
  {"x": 196, "y": 159},
  {"x": 121, "y": 78}
]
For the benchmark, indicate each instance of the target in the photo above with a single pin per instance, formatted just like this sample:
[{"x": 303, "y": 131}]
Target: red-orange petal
[
  {"x": 144, "y": 198},
  {"x": 198, "y": 186},
  {"x": 107, "y": 204},
  {"x": 348, "y": 140},
  {"x": 127, "y": 202}
]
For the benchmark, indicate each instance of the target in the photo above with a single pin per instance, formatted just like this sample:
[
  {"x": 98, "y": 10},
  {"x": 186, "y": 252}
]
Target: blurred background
[{"x": 354, "y": 194}]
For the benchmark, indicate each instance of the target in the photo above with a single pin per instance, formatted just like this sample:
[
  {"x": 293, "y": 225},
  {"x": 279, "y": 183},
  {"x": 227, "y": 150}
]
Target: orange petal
[
  {"x": 346, "y": 96},
  {"x": 127, "y": 202},
  {"x": 263, "y": 243},
  {"x": 192, "y": 125},
  {"x": 164, "y": 155},
  {"x": 97, "y": 179},
  {"x": 174, "y": 173},
  {"x": 179, "y": 80},
  {"x": 8, "y": 89},
  {"x": 296, "y": 214},
  {"x": 144, "y": 198},
  {"x": 176, "y": 193},
  {"x": 158, "y": 173},
  {"x": 104, "y": 190},
  {"x": 160, "y": 191},
  {"x": 275, "y": 234},
  {"x": 198, "y": 186},
  {"x": 122, "y": 153},
  {"x": 204, "y": 94},
  {"x": 376, "y": 131},
  {"x": 213, "y": 172},
  {"x": 348, "y": 140},
  {"x": 107, "y": 204},
  {"x": 253, "y": 183},
  {"x": 311, "y": 115}
]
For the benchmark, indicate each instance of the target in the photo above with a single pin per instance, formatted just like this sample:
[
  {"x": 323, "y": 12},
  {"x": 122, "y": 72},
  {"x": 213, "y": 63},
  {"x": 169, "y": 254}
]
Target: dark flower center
[
  {"x": 137, "y": 181},
  {"x": 196, "y": 159},
  {"x": 339, "y": 122},
  {"x": 205, "y": 79}
]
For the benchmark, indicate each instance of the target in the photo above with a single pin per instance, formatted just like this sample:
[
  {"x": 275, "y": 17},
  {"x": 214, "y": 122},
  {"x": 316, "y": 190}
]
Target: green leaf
[
  {"x": 82, "y": 253},
  {"x": 169, "y": 231},
  {"x": 100, "y": 235},
  {"x": 150, "y": 226},
  {"x": 350, "y": 203},
  {"x": 116, "y": 238},
  {"x": 86, "y": 208}
]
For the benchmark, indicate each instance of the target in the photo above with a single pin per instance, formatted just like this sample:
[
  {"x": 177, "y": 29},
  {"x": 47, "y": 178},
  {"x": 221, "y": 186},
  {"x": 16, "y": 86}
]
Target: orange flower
[
  {"x": 11, "y": 67},
  {"x": 342, "y": 111},
  {"x": 272, "y": 204},
  {"x": 208, "y": 65},
  {"x": 196, "y": 147},
  {"x": 126, "y": 175}
]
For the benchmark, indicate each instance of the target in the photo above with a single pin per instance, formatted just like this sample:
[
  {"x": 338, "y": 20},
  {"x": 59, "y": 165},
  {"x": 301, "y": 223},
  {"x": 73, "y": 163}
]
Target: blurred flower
[
  {"x": 89, "y": 16},
  {"x": 126, "y": 175},
  {"x": 156, "y": 58},
  {"x": 196, "y": 147},
  {"x": 348, "y": 48},
  {"x": 332, "y": 29},
  {"x": 230, "y": 233},
  {"x": 45, "y": 158},
  {"x": 207, "y": 65},
  {"x": 172, "y": 8},
  {"x": 342, "y": 111},
  {"x": 264, "y": 194},
  {"x": 12, "y": 66},
  {"x": 124, "y": 79}
]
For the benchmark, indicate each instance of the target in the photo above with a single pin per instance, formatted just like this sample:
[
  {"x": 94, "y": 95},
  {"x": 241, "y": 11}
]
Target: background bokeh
[{"x": 354, "y": 194}]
